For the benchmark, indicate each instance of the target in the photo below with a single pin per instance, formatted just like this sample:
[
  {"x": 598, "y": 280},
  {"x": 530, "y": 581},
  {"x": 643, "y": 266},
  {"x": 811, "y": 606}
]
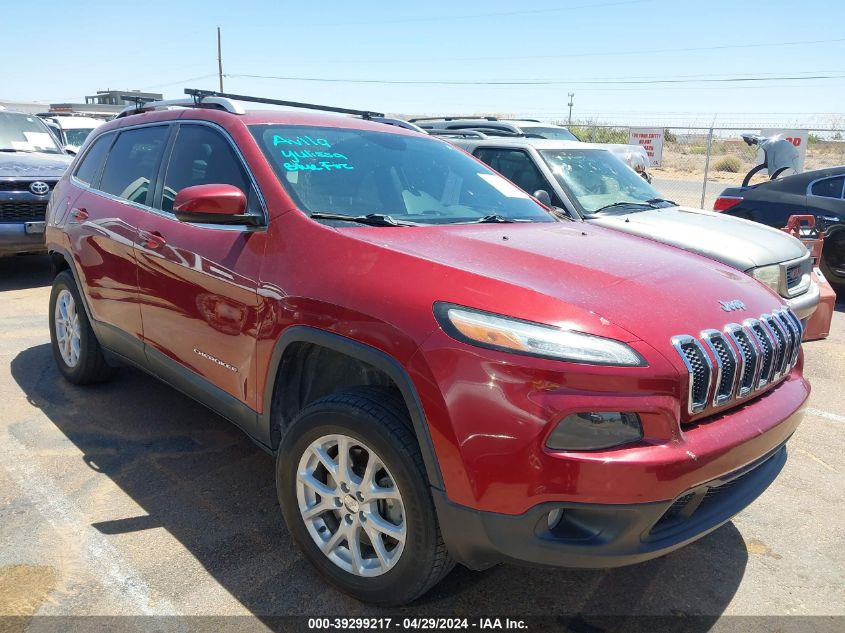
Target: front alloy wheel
[
  {"x": 350, "y": 505},
  {"x": 66, "y": 323},
  {"x": 355, "y": 496}
]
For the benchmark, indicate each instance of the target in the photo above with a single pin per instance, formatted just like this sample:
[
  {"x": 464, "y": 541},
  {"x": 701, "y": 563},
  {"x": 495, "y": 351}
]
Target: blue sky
[{"x": 72, "y": 48}]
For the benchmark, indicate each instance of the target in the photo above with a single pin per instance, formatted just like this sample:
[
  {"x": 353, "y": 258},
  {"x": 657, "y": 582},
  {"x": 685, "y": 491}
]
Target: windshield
[
  {"x": 25, "y": 133},
  {"x": 597, "y": 178},
  {"x": 409, "y": 178},
  {"x": 551, "y": 133},
  {"x": 77, "y": 136}
]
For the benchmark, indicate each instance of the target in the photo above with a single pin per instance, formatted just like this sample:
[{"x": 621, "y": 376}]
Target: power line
[
  {"x": 535, "y": 82},
  {"x": 602, "y": 53}
]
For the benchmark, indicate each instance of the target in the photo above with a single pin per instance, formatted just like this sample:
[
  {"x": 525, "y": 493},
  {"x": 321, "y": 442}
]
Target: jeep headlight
[
  {"x": 509, "y": 334},
  {"x": 769, "y": 275}
]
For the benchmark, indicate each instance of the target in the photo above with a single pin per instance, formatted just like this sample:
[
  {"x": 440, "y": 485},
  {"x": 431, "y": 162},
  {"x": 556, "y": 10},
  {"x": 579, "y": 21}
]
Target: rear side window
[
  {"x": 132, "y": 162},
  {"x": 91, "y": 164},
  {"x": 202, "y": 156},
  {"x": 829, "y": 187}
]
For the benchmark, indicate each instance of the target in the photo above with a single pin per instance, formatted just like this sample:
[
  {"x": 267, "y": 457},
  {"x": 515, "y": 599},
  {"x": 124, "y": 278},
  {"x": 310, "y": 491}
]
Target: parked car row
[{"x": 446, "y": 369}]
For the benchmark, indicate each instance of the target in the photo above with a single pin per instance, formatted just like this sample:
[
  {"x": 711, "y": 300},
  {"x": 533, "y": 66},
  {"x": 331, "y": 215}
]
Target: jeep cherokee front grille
[{"x": 739, "y": 360}]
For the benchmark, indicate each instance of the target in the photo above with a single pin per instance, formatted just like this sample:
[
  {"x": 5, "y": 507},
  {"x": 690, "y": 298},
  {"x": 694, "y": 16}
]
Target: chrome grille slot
[
  {"x": 794, "y": 335},
  {"x": 748, "y": 358},
  {"x": 699, "y": 368},
  {"x": 726, "y": 365},
  {"x": 766, "y": 345},
  {"x": 781, "y": 345},
  {"x": 778, "y": 337},
  {"x": 799, "y": 329}
]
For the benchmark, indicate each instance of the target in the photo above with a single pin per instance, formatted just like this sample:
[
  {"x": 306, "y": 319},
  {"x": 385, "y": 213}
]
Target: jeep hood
[
  {"x": 740, "y": 244},
  {"x": 586, "y": 277},
  {"x": 33, "y": 165}
]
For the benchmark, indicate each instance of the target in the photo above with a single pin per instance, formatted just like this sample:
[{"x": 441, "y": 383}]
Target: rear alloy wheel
[
  {"x": 77, "y": 352},
  {"x": 355, "y": 496}
]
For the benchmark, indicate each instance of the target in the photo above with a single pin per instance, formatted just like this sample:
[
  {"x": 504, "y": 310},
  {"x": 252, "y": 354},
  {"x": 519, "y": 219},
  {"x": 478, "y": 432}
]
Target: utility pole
[
  {"x": 571, "y": 100},
  {"x": 219, "y": 60}
]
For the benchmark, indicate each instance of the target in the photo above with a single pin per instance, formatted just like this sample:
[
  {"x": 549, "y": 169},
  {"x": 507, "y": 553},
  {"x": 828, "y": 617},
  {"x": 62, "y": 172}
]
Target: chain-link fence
[{"x": 698, "y": 162}]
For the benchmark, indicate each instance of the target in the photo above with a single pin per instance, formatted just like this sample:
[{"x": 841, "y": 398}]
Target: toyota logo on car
[{"x": 39, "y": 188}]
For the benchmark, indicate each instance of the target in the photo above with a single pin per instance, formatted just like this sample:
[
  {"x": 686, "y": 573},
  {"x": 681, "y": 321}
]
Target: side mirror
[
  {"x": 212, "y": 204},
  {"x": 543, "y": 196}
]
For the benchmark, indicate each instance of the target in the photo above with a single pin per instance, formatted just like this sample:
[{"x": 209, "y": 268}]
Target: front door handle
[
  {"x": 153, "y": 241},
  {"x": 79, "y": 214}
]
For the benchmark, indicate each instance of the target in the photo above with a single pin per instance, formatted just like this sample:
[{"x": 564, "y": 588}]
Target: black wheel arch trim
[{"x": 367, "y": 354}]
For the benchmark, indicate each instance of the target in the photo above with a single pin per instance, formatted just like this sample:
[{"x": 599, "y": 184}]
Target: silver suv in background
[
  {"x": 589, "y": 182},
  {"x": 527, "y": 127},
  {"x": 31, "y": 163}
]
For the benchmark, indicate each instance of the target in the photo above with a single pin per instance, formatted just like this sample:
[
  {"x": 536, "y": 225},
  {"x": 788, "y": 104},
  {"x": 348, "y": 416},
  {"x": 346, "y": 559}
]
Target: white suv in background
[{"x": 72, "y": 130}]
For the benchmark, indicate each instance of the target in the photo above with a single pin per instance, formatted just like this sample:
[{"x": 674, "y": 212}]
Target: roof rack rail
[
  {"x": 473, "y": 117},
  {"x": 216, "y": 103},
  {"x": 461, "y": 133},
  {"x": 202, "y": 95}
]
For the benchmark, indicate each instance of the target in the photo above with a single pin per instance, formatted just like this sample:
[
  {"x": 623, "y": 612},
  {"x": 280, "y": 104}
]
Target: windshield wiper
[
  {"x": 371, "y": 219},
  {"x": 664, "y": 200},
  {"x": 12, "y": 149},
  {"x": 495, "y": 218},
  {"x": 618, "y": 205}
]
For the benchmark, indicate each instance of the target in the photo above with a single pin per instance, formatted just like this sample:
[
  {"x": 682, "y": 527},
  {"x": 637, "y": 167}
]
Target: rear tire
[
  {"x": 77, "y": 352},
  {"x": 378, "y": 496}
]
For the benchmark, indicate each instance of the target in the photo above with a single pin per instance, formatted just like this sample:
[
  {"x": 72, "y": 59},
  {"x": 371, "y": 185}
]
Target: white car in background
[{"x": 72, "y": 130}]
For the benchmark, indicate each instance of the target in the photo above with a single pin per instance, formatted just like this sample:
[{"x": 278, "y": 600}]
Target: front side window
[
  {"x": 410, "y": 178},
  {"x": 828, "y": 188},
  {"x": 25, "y": 133},
  {"x": 599, "y": 182},
  {"x": 201, "y": 156},
  {"x": 132, "y": 162},
  {"x": 515, "y": 165},
  {"x": 92, "y": 162}
]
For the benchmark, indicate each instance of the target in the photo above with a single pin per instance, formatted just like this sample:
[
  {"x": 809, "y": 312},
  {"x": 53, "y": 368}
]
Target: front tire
[
  {"x": 77, "y": 352},
  {"x": 355, "y": 497}
]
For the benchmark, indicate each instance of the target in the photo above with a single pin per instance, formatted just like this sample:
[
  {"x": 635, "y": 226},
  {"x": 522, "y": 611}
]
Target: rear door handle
[
  {"x": 79, "y": 214},
  {"x": 153, "y": 241}
]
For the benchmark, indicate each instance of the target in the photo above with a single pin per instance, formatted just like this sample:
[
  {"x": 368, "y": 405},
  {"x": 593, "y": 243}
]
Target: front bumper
[
  {"x": 14, "y": 239},
  {"x": 805, "y": 304},
  {"x": 602, "y": 535}
]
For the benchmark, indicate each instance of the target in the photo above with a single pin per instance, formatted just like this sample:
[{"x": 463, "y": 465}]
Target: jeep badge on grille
[{"x": 730, "y": 306}]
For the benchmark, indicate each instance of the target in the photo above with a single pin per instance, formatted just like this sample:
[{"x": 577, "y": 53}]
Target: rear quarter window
[
  {"x": 92, "y": 162},
  {"x": 829, "y": 187}
]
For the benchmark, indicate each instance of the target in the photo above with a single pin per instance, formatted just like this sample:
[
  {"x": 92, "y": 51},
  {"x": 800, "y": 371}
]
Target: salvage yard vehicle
[
  {"x": 31, "y": 163},
  {"x": 590, "y": 183},
  {"x": 444, "y": 370},
  {"x": 820, "y": 193},
  {"x": 72, "y": 129},
  {"x": 527, "y": 127}
]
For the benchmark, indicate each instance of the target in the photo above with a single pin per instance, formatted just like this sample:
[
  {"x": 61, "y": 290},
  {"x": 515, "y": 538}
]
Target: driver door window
[
  {"x": 516, "y": 166},
  {"x": 203, "y": 156}
]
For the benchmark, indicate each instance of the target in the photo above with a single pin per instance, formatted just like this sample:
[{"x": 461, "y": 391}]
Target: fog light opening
[
  {"x": 595, "y": 430},
  {"x": 554, "y": 518}
]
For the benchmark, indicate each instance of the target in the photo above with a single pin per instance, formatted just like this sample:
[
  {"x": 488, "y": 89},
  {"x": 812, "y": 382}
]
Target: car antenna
[{"x": 199, "y": 95}]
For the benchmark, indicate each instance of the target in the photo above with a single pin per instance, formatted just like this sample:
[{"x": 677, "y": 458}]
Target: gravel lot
[{"x": 130, "y": 499}]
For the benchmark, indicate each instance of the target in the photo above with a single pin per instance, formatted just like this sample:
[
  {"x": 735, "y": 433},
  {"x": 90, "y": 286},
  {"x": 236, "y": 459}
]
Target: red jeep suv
[{"x": 444, "y": 371}]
